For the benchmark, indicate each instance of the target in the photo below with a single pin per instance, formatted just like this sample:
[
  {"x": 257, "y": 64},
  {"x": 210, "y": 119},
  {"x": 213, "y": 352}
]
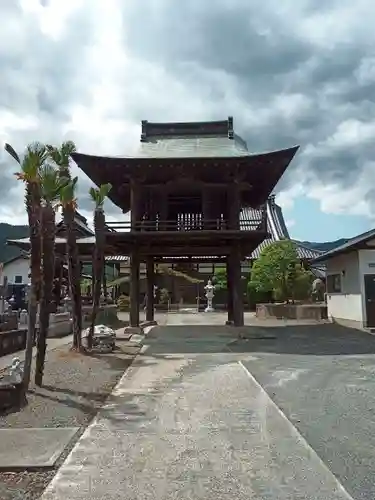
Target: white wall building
[
  {"x": 350, "y": 271},
  {"x": 16, "y": 270}
]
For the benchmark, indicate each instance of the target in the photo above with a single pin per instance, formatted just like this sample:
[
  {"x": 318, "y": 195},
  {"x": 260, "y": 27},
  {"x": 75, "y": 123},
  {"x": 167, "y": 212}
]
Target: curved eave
[
  {"x": 261, "y": 170},
  {"x": 85, "y": 159}
]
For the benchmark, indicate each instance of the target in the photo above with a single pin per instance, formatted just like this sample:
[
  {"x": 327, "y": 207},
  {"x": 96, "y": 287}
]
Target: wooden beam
[
  {"x": 134, "y": 289},
  {"x": 236, "y": 284},
  {"x": 229, "y": 290},
  {"x": 150, "y": 272}
]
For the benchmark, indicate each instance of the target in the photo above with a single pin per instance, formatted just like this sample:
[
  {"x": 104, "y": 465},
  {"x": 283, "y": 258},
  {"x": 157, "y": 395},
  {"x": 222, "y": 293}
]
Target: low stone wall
[
  {"x": 315, "y": 312},
  {"x": 60, "y": 324},
  {"x": 8, "y": 322},
  {"x": 12, "y": 341}
]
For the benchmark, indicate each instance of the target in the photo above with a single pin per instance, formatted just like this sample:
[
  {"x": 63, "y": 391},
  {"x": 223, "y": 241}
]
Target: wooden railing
[{"x": 186, "y": 225}]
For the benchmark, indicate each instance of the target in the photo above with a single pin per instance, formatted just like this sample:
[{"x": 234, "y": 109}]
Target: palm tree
[
  {"x": 32, "y": 162},
  {"x": 69, "y": 203},
  {"x": 51, "y": 186},
  {"x": 61, "y": 157},
  {"x": 98, "y": 195}
]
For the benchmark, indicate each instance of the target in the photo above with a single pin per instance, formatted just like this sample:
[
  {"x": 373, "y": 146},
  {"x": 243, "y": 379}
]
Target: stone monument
[{"x": 210, "y": 292}]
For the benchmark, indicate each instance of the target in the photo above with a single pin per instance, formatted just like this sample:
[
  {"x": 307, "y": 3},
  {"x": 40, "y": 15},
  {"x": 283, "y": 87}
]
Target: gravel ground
[{"x": 75, "y": 387}]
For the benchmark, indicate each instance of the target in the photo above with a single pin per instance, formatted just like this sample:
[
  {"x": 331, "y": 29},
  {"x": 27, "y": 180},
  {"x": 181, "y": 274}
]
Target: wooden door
[{"x": 370, "y": 300}]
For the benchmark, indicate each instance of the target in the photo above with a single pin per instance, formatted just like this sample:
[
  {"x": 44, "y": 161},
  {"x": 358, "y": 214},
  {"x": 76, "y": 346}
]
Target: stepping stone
[
  {"x": 132, "y": 330},
  {"x": 28, "y": 448}
]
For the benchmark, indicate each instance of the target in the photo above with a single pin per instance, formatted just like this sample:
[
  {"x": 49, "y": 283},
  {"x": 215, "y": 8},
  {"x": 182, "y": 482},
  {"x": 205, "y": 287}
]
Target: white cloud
[{"x": 289, "y": 73}]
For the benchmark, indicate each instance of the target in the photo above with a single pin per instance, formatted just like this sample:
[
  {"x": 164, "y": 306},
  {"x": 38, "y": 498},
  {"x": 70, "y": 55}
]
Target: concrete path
[{"x": 188, "y": 421}]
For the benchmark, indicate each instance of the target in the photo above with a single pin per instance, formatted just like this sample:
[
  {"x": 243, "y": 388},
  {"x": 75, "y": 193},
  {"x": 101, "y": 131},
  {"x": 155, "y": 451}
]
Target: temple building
[
  {"x": 186, "y": 189},
  {"x": 196, "y": 196}
]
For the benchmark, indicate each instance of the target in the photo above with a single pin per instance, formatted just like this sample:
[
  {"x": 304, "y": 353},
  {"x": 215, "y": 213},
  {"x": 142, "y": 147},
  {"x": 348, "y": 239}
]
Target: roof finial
[
  {"x": 230, "y": 127},
  {"x": 144, "y": 130}
]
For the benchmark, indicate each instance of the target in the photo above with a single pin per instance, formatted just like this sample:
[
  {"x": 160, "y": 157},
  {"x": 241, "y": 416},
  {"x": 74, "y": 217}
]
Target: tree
[
  {"x": 31, "y": 164},
  {"x": 98, "y": 195},
  {"x": 61, "y": 156},
  {"x": 220, "y": 278},
  {"x": 69, "y": 203},
  {"x": 51, "y": 185},
  {"x": 278, "y": 270}
]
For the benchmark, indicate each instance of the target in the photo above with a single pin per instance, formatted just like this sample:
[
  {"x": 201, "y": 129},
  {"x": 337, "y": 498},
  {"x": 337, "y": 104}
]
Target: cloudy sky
[{"x": 290, "y": 72}]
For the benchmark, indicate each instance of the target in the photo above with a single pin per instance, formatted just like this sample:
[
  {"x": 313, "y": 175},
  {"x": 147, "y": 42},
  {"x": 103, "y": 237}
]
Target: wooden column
[
  {"x": 236, "y": 285},
  {"x": 134, "y": 289},
  {"x": 150, "y": 270},
  {"x": 135, "y": 204},
  {"x": 234, "y": 206},
  {"x": 229, "y": 291}
]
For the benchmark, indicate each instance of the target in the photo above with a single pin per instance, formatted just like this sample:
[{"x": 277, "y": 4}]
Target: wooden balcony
[
  {"x": 189, "y": 235},
  {"x": 188, "y": 225}
]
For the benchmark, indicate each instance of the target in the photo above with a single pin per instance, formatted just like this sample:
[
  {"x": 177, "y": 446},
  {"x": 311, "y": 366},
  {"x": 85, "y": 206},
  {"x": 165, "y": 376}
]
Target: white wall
[
  {"x": 19, "y": 267},
  {"x": 349, "y": 304}
]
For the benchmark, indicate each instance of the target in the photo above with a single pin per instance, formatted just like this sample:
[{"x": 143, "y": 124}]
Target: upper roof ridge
[{"x": 187, "y": 129}]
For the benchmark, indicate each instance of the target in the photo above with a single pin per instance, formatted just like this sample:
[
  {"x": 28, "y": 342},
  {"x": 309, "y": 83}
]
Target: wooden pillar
[
  {"x": 150, "y": 270},
  {"x": 229, "y": 291},
  {"x": 236, "y": 285},
  {"x": 234, "y": 206},
  {"x": 135, "y": 205},
  {"x": 134, "y": 289}
]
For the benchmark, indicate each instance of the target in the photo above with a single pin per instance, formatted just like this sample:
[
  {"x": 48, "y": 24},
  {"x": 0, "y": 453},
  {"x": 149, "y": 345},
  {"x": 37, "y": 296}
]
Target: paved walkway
[{"x": 189, "y": 421}]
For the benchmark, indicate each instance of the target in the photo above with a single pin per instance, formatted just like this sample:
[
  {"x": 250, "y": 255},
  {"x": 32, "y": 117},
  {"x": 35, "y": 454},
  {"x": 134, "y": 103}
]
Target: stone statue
[
  {"x": 14, "y": 374},
  {"x": 210, "y": 292},
  {"x": 23, "y": 317},
  {"x": 317, "y": 290}
]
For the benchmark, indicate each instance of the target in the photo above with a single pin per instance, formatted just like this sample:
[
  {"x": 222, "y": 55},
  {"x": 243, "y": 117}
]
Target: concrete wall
[{"x": 348, "y": 305}]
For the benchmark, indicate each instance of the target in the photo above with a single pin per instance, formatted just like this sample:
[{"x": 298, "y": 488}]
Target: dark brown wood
[
  {"x": 135, "y": 205},
  {"x": 150, "y": 271},
  {"x": 370, "y": 300},
  {"x": 233, "y": 207},
  {"x": 235, "y": 272},
  {"x": 229, "y": 291},
  {"x": 262, "y": 172},
  {"x": 134, "y": 289}
]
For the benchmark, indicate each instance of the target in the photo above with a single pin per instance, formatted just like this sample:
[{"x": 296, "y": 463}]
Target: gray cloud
[
  {"x": 268, "y": 54},
  {"x": 289, "y": 73}
]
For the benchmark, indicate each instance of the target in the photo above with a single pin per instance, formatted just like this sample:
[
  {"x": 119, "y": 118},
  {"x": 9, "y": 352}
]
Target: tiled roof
[
  {"x": 346, "y": 247},
  {"x": 192, "y": 147},
  {"x": 277, "y": 230},
  {"x": 191, "y": 140}
]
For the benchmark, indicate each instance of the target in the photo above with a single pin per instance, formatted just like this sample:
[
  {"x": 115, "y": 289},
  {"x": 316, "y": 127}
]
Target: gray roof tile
[{"x": 192, "y": 147}]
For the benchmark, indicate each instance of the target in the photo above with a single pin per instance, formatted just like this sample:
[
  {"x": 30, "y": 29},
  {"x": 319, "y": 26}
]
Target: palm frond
[
  {"x": 61, "y": 155},
  {"x": 51, "y": 183},
  {"x": 9, "y": 149},
  {"x": 68, "y": 193},
  {"x": 33, "y": 160},
  {"x": 98, "y": 195}
]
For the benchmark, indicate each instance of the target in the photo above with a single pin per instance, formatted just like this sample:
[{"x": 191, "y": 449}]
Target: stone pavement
[{"x": 189, "y": 421}]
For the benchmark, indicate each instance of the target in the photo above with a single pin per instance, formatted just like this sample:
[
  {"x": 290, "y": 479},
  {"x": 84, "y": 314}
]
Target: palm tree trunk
[
  {"x": 33, "y": 211},
  {"x": 99, "y": 223},
  {"x": 74, "y": 271},
  {"x": 104, "y": 277},
  {"x": 48, "y": 271}
]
